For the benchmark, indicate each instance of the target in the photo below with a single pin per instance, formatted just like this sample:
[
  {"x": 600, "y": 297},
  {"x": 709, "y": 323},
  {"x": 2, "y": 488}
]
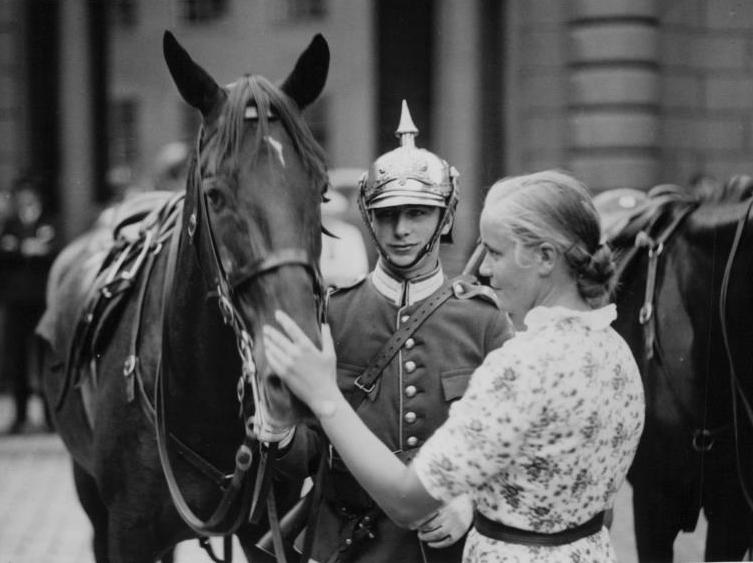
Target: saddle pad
[
  {"x": 71, "y": 276},
  {"x": 617, "y": 208}
]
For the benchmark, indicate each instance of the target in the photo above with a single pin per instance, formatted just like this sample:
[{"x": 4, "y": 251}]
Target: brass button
[
  {"x": 410, "y": 391},
  {"x": 410, "y": 343},
  {"x": 410, "y": 366},
  {"x": 404, "y": 318},
  {"x": 412, "y": 441},
  {"x": 410, "y": 417}
]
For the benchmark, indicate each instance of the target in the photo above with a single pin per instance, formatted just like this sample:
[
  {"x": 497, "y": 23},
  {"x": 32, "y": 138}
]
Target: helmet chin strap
[{"x": 446, "y": 213}]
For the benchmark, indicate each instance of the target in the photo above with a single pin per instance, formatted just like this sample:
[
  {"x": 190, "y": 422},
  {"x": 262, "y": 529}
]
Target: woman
[{"x": 543, "y": 438}]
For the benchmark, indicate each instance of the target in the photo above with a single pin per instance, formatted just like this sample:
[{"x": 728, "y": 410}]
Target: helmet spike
[{"x": 407, "y": 130}]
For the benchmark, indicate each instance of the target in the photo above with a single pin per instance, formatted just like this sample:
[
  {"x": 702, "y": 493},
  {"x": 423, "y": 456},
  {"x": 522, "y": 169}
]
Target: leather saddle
[
  {"x": 93, "y": 277},
  {"x": 625, "y": 212}
]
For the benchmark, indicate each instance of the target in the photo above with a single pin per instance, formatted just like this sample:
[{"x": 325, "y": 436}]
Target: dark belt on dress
[{"x": 502, "y": 532}]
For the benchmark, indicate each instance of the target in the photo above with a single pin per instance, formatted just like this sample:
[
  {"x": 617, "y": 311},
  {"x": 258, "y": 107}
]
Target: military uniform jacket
[{"x": 411, "y": 398}]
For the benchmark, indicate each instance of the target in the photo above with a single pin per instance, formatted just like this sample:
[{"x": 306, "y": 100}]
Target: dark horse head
[{"x": 252, "y": 211}]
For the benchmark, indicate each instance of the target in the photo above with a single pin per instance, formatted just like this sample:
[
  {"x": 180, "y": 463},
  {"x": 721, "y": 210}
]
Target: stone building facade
[{"x": 624, "y": 93}]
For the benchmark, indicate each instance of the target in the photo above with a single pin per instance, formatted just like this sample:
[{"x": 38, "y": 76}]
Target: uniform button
[
  {"x": 412, "y": 441},
  {"x": 410, "y": 417},
  {"x": 410, "y": 366},
  {"x": 410, "y": 343},
  {"x": 410, "y": 391},
  {"x": 404, "y": 318}
]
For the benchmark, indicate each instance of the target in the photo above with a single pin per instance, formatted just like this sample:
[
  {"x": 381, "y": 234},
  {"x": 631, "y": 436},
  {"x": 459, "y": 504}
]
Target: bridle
[{"x": 239, "y": 500}]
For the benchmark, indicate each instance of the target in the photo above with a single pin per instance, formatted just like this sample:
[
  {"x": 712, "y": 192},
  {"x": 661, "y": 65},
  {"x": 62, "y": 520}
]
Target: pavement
[{"x": 41, "y": 520}]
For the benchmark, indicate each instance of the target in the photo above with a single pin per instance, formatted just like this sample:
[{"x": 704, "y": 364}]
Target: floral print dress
[{"x": 544, "y": 435}]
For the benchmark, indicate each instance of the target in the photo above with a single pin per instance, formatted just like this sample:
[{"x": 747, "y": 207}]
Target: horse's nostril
[{"x": 275, "y": 382}]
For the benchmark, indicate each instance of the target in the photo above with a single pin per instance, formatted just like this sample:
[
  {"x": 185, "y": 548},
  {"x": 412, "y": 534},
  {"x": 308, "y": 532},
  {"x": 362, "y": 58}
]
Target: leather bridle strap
[
  {"x": 655, "y": 249},
  {"x": 217, "y": 522},
  {"x": 735, "y": 386},
  {"x": 275, "y": 260}
]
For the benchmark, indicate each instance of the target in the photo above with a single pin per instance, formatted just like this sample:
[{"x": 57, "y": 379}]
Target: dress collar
[
  {"x": 406, "y": 292},
  {"x": 596, "y": 319}
]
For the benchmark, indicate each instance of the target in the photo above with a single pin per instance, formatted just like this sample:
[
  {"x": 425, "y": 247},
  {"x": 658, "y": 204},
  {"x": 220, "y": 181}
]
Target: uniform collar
[{"x": 406, "y": 292}]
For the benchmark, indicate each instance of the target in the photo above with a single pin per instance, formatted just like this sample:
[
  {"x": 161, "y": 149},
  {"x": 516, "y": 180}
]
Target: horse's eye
[{"x": 216, "y": 198}]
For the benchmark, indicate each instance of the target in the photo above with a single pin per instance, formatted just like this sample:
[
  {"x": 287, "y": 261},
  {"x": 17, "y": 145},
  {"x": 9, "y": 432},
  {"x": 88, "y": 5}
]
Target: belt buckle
[{"x": 363, "y": 387}]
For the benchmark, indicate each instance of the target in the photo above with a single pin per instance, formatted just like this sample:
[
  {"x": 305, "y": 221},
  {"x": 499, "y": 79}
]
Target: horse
[
  {"x": 685, "y": 307},
  {"x": 160, "y": 389}
]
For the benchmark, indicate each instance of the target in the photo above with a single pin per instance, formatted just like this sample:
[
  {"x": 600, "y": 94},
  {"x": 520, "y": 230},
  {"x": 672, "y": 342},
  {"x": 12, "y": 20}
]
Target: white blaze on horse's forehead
[{"x": 276, "y": 146}]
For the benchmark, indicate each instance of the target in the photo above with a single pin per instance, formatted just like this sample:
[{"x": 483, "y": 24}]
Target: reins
[{"x": 735, "y": 386}]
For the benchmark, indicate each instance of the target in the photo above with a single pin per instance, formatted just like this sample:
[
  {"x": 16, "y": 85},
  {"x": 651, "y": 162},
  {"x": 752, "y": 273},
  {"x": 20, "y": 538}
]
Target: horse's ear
[
  {"x": 307, "y": 80},
  {"x": 194, "y": 83}
]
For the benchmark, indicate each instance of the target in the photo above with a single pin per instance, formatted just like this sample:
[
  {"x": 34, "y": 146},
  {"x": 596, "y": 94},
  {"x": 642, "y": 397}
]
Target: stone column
[
  {"x": 455, "y": 117},
  {"x": 614, "y": 96},
  {"x": 76, "y": 140}
]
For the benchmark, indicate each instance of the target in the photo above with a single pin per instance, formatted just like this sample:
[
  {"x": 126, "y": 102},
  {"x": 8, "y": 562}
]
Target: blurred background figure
[
  {"x": 171, "y": 167},
  {"x": 344, "y": 259},
  {"x": 27, "y": 247}
]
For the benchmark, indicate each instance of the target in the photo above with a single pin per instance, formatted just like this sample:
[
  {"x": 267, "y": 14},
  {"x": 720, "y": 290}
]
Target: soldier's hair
[{"x": 552, "y": 206}]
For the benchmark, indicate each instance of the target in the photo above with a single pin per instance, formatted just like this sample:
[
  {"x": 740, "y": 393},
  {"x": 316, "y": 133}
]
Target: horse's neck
[{"x": 198, "y": 337}]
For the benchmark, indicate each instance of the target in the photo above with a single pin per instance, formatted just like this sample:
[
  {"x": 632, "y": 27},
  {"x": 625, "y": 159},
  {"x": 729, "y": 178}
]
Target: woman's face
[{"x": 511, "y": 271}]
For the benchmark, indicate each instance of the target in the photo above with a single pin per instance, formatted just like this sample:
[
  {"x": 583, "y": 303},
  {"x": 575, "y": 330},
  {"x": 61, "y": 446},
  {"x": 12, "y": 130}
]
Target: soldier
[{"x": 407, "y": 340}]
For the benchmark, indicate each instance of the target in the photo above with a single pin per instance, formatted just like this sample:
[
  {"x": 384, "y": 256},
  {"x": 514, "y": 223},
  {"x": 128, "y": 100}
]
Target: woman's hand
[
  {"x": 448, "y": 524},
  {"x": 310, "y": 373}
]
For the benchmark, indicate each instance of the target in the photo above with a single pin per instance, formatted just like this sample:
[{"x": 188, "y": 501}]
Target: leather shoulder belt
[{"x": 366, "y": 382}]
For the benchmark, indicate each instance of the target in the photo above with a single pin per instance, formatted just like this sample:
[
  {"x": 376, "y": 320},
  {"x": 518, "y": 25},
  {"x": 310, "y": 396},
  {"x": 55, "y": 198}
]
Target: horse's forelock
[{"x": 222, "y": 150}]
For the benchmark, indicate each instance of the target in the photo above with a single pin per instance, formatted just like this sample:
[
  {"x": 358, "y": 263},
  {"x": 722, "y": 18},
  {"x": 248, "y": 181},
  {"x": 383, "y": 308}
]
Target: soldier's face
[{"x": 403, "y": 231}]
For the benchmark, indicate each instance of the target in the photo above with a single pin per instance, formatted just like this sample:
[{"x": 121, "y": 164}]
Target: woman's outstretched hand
[{"x": 309, "y": 372}]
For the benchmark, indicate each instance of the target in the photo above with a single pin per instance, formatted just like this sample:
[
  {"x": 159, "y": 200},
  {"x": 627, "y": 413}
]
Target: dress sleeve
[{"x": 485, "y": 428}]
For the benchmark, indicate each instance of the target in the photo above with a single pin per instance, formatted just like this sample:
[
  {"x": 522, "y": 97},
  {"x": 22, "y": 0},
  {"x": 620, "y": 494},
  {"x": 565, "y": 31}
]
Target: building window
[
  {"x": 123, "y": 142},
  {"x": 124, "y": 13},
  {"x": 295, "y": 11},
  {"x": 202, "y": 11}
]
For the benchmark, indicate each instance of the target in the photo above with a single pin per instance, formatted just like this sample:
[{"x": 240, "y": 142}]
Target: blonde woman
[{"x": 543, "y": 438}]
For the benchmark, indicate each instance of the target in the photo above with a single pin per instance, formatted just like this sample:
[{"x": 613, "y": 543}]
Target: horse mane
[{"x": 222, "y": 148}]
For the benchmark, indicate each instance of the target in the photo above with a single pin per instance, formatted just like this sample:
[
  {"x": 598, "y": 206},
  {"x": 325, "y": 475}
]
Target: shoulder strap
[{"x": 366, "y": 382}]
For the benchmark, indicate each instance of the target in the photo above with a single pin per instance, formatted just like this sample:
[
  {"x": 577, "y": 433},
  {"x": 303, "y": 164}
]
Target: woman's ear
[{"x": 546, "y": 256}]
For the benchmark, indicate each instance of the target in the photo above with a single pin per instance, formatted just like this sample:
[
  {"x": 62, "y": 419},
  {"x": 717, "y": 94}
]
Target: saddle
[
  {"x": 97, "y": 276},
  {"x": 624, "y": 212}
]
